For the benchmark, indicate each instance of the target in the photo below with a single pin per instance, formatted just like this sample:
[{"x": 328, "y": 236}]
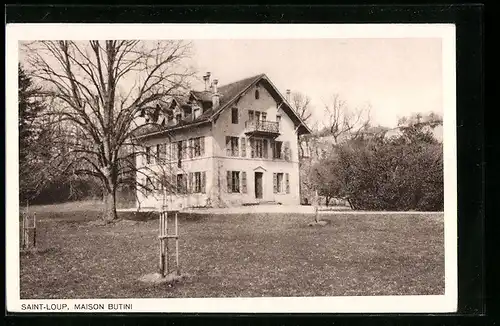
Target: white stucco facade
[{"x": 219, "y": 165}]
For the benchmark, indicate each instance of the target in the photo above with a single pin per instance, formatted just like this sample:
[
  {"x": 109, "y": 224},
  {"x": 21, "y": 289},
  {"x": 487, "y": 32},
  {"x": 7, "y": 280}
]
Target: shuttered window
[
  {"x": 233, "y": 181},
  {"x": 197, "y": 182},
  {"x": 278, "y": 182}
]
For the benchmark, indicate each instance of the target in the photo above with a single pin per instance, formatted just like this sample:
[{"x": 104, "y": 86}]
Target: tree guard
[{"x": 164, "y": 237}]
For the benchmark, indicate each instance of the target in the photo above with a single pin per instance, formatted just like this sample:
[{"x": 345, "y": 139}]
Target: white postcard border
[{"x": 374, "y": 304}]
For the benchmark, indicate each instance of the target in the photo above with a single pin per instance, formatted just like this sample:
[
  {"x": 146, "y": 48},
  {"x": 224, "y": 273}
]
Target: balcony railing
[{"x": 262, "y": 127}]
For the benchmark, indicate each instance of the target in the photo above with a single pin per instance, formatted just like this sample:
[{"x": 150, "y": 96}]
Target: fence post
[
  {"x": 177, "y": 245},
  {"x": 23, "y": 232},
  {"x": 162, "y": 254},
  {"x": 316, "y": 203},
  {"x": 34, "y": 230}
]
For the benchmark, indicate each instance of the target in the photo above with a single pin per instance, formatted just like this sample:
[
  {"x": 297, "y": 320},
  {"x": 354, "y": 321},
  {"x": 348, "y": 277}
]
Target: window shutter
[
  {"x": 168, "y": 149},
  {"x": 185, "y": 183},
  {"x": 252, "y": 147},
  {"x": 275, "y": 183},
  {"x": 287, "y": 180},
  {"x": 287, "y": 150},
  {"x": 191, "y": 148},
  {"x": 243, "y": 147},
  {"x": 228, "y": 145},
  {"x": 264, "y": 148},
  {"x": 203, "y": 182},
  {"x": 202, "y": 145},
  {"x": 190, "y": 182},
  {"x": 184, "y": 148},
  {"x": 244, "y": 182},
  {"x": 228, "y": 179},
  {"x": 173, "y": 151}
]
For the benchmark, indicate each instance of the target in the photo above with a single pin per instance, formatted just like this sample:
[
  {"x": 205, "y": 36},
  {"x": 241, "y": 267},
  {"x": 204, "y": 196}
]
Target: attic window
[
  {"x": 196, "y": 112},
  {"x": 257, "y": 95}
]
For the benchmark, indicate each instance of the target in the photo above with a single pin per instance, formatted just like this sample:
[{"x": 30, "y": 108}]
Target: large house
[{"x": 225, "y": 146}]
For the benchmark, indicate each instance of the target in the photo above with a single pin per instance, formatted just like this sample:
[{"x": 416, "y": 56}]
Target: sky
[{"x": 397, "y": 77}]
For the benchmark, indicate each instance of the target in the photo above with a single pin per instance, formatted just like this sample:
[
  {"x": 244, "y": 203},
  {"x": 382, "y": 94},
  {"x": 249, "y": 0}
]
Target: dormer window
[
  {"x": 178, "y": 117},
  {"x": 196, "y": 112}
]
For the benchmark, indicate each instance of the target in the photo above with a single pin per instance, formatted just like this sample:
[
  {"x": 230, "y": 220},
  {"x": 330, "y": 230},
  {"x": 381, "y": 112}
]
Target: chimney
[
  {"x": 205, "y": 79},
  {"x": 288, "y": 95},
  {"x": 216, "y": 95}
]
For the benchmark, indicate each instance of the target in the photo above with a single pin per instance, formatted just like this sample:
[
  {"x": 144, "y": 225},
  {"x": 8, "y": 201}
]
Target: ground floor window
[
  {"x": 181, "y": 184},
  {"x": 281, "y": 183},
  {"x": 198, "y": 182},
  {"x": 233, "y": 181}
]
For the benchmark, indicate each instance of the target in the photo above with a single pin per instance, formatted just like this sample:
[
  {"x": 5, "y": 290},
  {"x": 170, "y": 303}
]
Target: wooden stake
[
  {"x": 162, "y": 258},
  {"x": 23, "y": 232},
  {"x": 166, "y": 243},
  {"x": 34, "y": 230},
  {"x": 177, "y": 246}
]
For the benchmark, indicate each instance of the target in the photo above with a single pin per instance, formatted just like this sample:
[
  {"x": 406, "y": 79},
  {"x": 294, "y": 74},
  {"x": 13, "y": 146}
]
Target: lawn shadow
[{"x": 37, "y": 251}]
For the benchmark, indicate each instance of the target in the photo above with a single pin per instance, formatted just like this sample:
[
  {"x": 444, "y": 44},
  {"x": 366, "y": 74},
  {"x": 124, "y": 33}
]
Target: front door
[{"x": 258, "y": 185}]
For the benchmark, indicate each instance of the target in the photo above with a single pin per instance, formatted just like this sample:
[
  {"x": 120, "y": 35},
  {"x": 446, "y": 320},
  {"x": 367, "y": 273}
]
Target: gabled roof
[{"x": 229, "y": 95}]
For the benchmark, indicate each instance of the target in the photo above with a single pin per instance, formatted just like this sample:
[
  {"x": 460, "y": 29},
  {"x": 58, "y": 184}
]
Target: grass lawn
[{"x": 236, "y": 255}]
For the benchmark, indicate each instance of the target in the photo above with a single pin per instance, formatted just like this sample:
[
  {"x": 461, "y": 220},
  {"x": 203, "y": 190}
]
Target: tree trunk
[{"x": 110, "y": 206}]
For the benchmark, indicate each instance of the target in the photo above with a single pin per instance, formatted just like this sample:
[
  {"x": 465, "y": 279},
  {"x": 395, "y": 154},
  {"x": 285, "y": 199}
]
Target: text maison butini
[{"x": 225, "y": 146}]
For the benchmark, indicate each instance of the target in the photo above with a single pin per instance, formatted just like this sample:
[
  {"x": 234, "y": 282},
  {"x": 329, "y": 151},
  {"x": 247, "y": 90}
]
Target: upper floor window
[
  {"x": 232, "y": 146},
  {"x": 234, "y": 115},
  {"x": 198, "y": 146},
  {"x": 277, "y": 148},
  {"x": 278, "y": 120},
  {"x": 258, "y": 147},
  {"x": 257, "y": 94}
]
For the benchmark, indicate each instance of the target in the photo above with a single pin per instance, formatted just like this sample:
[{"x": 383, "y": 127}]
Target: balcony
[{"x": 262, "y": 128}]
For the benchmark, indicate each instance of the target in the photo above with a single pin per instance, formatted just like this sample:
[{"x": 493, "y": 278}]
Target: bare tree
[
  {"x": 302, "y": 105},
  {"x": 99, "y": 88},
  {"x": 344, "y": 121}
]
